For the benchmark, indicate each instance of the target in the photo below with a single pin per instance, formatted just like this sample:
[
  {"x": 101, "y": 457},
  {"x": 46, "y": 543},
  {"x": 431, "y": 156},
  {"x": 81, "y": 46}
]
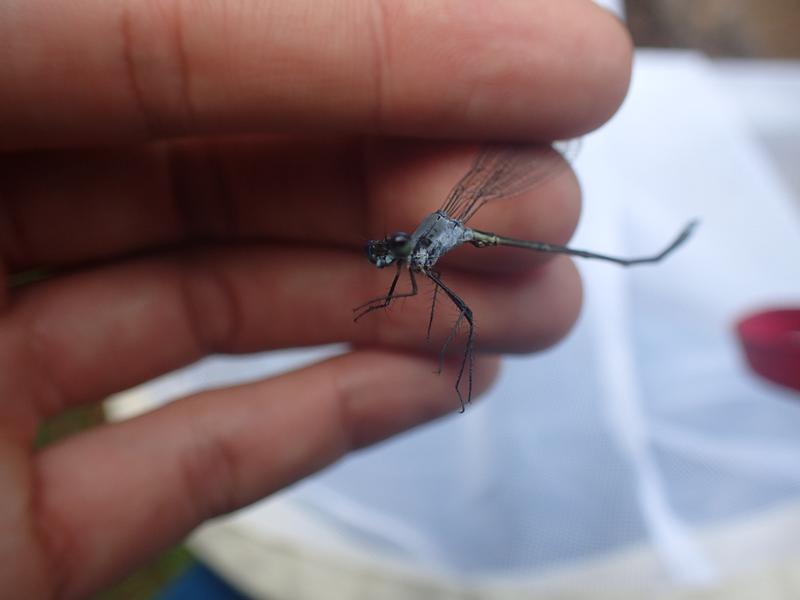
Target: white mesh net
[{"x": 639, "y": 458}]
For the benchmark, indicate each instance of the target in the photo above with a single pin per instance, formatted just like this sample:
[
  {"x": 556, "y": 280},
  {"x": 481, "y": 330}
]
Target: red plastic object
[{"x": 771, "y": 342}]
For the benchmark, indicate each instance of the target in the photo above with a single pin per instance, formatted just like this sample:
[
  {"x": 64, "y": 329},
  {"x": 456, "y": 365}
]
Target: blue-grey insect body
[{"x": 498, "y": 172}]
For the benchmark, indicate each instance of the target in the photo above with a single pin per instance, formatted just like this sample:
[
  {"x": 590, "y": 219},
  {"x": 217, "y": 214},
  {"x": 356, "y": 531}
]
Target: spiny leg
[
  {"x": 384, "y": 301},
  {"x": 453, "y": 330},
  {"x": 433, "y": 309},
  {"x": 450, "y": 337},
  {"x": 386, "y": 298},
  {"x": 467, "y": 361}
]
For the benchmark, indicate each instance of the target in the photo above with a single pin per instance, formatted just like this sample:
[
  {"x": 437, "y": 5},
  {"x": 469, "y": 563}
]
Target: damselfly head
[{"x": 382, "y": 253}]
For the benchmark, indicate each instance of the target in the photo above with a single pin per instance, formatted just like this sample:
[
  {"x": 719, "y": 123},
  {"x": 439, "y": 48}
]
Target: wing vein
[{"x": 503, "y": 171}]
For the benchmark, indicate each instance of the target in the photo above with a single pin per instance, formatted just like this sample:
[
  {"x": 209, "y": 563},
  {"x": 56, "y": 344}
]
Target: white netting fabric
[{"x": 639, "y": 458}]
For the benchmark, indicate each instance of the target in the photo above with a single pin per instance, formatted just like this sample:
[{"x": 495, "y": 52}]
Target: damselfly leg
[
  {"x": 433, "y": 310},
  {"x": 464, "y": 313},
  {"x": 385, "y": 301}
]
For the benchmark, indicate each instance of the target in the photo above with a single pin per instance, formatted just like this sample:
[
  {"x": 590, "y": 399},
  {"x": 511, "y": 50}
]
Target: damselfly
[{"x": 499, "y": 171}]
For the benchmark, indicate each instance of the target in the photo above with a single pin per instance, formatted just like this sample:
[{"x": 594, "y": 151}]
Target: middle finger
[
  {"x": 67, "y": 208},
  {"x": 98, "y": 331}
]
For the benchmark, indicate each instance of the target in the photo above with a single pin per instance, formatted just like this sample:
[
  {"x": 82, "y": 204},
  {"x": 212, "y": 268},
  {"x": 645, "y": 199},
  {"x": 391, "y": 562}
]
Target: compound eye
[
  {"x": 372, "y": 252},
  {"x": 398, "y": 240}
]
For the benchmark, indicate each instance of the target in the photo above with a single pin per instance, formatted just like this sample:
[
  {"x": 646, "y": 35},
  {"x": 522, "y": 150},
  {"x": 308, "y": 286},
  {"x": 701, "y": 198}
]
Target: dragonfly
[{"x": 498, "y": 172}]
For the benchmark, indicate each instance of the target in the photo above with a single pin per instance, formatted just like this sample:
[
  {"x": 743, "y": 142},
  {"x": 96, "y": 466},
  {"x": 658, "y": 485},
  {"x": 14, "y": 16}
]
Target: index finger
[{"x": 98, "y": 72}]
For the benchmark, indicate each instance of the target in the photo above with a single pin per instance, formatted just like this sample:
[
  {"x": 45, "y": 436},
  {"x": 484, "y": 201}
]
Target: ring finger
[{"x": 107, "y": 328}]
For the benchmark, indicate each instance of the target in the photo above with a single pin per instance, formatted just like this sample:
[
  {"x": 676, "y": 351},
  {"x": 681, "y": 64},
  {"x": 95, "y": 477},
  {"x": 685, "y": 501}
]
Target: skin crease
[{"x": 164, "y": 250}]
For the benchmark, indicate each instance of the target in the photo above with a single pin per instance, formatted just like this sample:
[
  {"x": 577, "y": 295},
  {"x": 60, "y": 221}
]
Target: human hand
[{"x": 165, "y": 250}]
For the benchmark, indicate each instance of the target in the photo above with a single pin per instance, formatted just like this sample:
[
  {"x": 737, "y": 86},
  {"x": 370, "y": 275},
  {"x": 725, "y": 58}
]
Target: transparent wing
[{"x": 502, "y": 171}]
